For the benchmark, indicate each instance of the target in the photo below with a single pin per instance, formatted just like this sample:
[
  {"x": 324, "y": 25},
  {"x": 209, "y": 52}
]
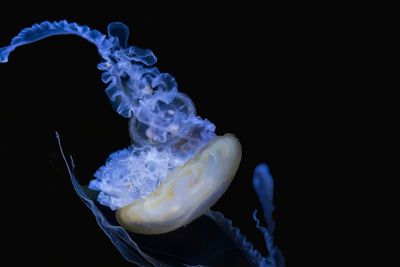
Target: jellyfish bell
[{"x": 187, "y": 192}]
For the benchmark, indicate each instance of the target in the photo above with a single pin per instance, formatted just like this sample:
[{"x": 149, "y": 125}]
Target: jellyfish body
[
  {"x": 188, "y": 191},
  {"x": 176, "y": 167}
]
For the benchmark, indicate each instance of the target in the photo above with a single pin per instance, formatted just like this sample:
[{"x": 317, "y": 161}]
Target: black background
[{"x": 257, "y": 72}]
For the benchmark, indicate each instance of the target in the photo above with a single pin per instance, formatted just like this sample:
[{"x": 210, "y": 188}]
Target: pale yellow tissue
[{"x": 187, "y": 192}]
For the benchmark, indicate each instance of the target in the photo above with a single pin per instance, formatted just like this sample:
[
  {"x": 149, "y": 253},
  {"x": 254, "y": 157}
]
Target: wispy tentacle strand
[{"x": 264, "y": 186}]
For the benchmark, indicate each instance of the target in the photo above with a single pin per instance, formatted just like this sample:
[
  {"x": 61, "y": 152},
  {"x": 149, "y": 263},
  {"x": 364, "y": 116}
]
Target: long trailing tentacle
[
  {"x": 252, "y": 255},
  {"x": 264, "y": 187},
  {"x": 46, "y": 29},
  {"x": 118, "y": 235},
  {"x": 161, "y": 115},
  {"x": 112, "y": 49}
]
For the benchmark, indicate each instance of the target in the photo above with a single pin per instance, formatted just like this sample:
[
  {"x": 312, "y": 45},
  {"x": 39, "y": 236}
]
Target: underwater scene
[{"x": 138, "y": 158}]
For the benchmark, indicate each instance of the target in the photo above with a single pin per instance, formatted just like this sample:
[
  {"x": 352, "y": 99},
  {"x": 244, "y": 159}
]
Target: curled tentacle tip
[
  {"x": 4, "y": 52},
  {"x": 119, "y": 30},
  {"x": 262, "y": 179},
  {"x": 187, "y": 192},
  {"x": 262, "y": 168},
  {"x": 260, "y": 172}
]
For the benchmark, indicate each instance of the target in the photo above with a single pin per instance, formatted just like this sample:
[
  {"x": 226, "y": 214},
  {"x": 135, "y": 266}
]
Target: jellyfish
[{"x": 176, "y": 167}]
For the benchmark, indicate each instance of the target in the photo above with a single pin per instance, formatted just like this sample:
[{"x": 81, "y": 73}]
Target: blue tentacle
[
  {"x": 252, "y": 255},
  {"x": 118, "y": 60},
  {"x": 46, "y": 29},
  {"x": 117, "y": 234},
  {"x": 264, "y": 187}
]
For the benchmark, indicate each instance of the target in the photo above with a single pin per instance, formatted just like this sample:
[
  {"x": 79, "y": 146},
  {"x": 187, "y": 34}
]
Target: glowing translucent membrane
[
  {"x": 163, "y": 124},
  {"x": 188, "y": 191},
  {"x": 161, "y": 118}
]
